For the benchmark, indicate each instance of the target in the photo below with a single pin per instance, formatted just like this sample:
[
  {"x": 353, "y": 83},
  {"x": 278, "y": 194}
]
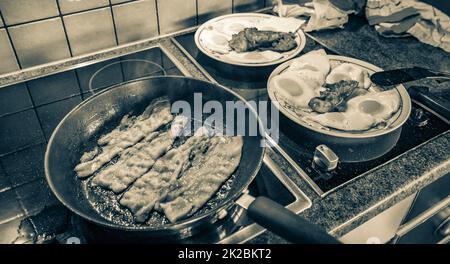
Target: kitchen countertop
[{"x": 358, "y": 201}]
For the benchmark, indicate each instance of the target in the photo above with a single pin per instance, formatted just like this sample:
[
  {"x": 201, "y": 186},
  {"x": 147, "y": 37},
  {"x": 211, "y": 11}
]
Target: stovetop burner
[
  {"x": 53, "y": 223},
  {"x": 421, "y": 127}
]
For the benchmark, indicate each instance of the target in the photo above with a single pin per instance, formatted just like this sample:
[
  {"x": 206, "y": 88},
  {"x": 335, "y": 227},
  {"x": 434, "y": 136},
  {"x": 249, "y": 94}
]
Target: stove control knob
[
  {"x": 419, "y": 117},
  {"x": 325, "y": 158}
]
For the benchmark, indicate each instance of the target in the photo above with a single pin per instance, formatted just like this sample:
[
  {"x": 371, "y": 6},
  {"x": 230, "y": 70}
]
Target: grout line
[
  {"x": 22, "y": 148},
  {"x": 162, "y": 59},
  {"x": 114, "y": 23},
  {"x": 196, "y": 12},
  {"x": 11, "y": 42},
  {"x": 121, "y": 68},
  {"x": 59, "y": 100},
  {"x": 35, "y": 112},
  {"x": 16, "y": 112},
  {"x": 37, "y": 106},
  {"x": 117, "y": 39},
  {"x": 77, "y": 77},
  {"x": 62, "y": 15},
  {"x": 157, "y": 17},
  {"x": 70, "y": 48},
  {"x": 64, "y": 28}
]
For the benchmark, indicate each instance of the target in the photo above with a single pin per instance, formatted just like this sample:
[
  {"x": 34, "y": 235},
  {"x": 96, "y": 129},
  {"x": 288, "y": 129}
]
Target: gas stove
[{"x": 423, "y": 125}]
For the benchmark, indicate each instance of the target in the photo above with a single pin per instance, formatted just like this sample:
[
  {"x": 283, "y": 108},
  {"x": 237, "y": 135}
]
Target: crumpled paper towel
[
  {"x": 323, "y": 15},
  {"x": 398, "y": 18}
]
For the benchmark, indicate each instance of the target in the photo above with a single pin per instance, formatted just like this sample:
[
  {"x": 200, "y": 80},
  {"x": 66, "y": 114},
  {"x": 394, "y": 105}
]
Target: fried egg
[
  {"x": 313, "y": 60},
  {"x": 294, "y": 90},
  {"x": 363, "y": 112},
  {"x": 380, "y": 105},
  {"x": 349, "y": 72},
  {"x": 215, "y": 41},
  {"x": 254, "y": 56}
]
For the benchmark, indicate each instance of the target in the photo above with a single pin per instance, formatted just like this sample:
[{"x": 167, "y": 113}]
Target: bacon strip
[
  {"x": 151, "y": 188},
  {"x": 127, "y": 134},
  {"x": 204, "y": 179}
]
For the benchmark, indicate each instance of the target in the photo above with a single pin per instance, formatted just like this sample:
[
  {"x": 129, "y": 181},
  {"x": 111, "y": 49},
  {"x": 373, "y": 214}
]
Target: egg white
[
  {"x": 313, "y": 60},
  {"x": 254, "y": 56},
  {"x": 215, "y": 41},
  {"x": 349, "y": 72},
  {"x": 348, "y": 121},
  {"x": 294, "y": 89}
]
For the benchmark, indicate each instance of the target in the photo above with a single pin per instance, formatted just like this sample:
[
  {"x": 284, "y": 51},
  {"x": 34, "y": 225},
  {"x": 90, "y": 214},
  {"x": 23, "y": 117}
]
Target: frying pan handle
[{"x": 287, "y": 224}]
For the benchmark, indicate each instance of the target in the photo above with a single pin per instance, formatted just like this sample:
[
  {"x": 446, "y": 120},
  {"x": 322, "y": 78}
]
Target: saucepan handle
[{"x": 286, "y": 223}]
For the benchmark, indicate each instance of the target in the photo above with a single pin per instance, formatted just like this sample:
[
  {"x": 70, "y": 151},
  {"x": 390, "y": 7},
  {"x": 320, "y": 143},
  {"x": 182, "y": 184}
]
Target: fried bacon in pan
[
  {"x": 204, "y": 179},
  {"x": 130, "y": 131},
  {"x": 153, "y": 186}
]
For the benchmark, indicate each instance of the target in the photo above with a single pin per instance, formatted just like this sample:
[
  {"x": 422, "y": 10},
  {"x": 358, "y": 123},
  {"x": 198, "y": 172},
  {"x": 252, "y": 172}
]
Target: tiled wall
[
  {"x": 34, "y": 32},
  {"x": 30, "y": 111}
]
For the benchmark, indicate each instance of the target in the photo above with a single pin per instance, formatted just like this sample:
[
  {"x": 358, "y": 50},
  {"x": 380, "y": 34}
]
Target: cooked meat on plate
[
  {"x": 149, "y": 163},
  {"x": 251, "y": 39}
]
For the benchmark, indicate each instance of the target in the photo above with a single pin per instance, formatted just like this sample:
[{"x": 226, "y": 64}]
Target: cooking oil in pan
[{"x": 106, "y": 203}]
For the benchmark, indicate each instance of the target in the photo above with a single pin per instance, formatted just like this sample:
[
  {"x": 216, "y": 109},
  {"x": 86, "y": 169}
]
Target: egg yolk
[{"x": 371, "y": 107}]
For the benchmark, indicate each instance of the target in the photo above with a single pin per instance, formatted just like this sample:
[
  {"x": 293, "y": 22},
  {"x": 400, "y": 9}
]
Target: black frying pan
[{"x": 80, "y": 129}]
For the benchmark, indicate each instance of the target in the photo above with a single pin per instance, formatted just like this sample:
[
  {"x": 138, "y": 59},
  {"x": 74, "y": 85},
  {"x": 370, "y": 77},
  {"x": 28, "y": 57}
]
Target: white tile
[
  {"x": 8, "y": 62},
  {"x": 1, "y": 22},
  {"x": 175, "y": 15},
  {"x": 70, "y": 6},
  {"x": 20, "y": 11},
  {"x": 135, "y": 20},
  {"x": 39, "y": 42},
  {"x": 90, "y": 31},
  {"x": 208, "y": 9},
  {"x": 248, "y": 5}
]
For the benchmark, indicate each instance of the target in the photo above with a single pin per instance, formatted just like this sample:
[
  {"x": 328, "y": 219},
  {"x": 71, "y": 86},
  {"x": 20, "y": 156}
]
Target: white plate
[
  {"x": 253, "y": 18},
  {"x": 394, "y": 122}
]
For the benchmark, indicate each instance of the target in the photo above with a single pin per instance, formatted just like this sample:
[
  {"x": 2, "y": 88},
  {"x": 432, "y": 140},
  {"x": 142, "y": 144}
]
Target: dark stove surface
[
  {"x": 231, "y": 223},
  {"x": 55, "y": 223},
  {"x": 412, "y": 135},
  {"x": 298, "y": 150}
]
